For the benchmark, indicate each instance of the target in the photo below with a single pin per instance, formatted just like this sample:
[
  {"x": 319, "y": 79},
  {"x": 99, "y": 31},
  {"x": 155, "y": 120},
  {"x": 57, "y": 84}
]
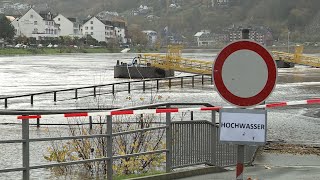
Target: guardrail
[
  {"x": 201, "y": 132},
  {"x": 160, "y": 82}
]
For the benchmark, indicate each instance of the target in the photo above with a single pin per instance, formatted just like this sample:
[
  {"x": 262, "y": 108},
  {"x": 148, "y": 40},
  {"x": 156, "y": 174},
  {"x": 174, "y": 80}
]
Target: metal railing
[
  {"x": 187, "y": 143},
  {"x": 159, "y": 82}
]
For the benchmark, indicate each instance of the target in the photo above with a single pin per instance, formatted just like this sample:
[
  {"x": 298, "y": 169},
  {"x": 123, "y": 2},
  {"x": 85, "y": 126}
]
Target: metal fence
[
  {"x": 196, "y": 142},
  {"x": 187, "y": 143},
  {"x": 113, "y": 88}
]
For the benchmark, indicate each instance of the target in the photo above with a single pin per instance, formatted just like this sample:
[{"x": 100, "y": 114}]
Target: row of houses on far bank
[
  {"x": 46, "y": 24},
  {"x": 113, "y": 29},
  {"x": 260, "y": 34}
]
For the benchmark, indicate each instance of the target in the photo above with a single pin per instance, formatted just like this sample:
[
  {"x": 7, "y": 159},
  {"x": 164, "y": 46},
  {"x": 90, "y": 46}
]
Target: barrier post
[
  {"x": 109, "y": 148},
  {"x": 25, "y": 150},
  {"x": 168, "y": 142}
]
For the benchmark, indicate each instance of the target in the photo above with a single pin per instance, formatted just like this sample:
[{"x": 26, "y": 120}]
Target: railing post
[
  {"x": 215, "y": 140},
  {"x": 76, "y": 94},
  {"x": 129, "y": 88},
  {"x": 90, "y": 122},
  {"x": 109, "y": 148},
  {"x": 191, "y": 115},
  {"x": 25, "y": 150},
  {"x": 94, "y": 91},
  {"x": 168, "y": 142},
  {"x": 144, "y": 85},
  {"x": 31, "y": 100},
  {"x": 113, "y": 89},
  {"x": 157, "y": 84},
  {"x": 170, "y": 83},
  {"x": 192, "y": 81},
  {"x": 181, "y": 82},
  {"x": 6, "y": 103},
  {"x": 55, "y": 96},
  {"x": 211, "y": 79},
  {"x": 202, "y": 80},
  {"x": 38, "y": 122}
]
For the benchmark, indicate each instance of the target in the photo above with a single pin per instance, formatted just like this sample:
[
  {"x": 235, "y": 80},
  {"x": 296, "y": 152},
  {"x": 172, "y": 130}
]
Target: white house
[
  {"x": 104, "y": 30},
  {"x": 68, "y": 26},
  {"x": 32, "y": 24},
  {"x": 120, "y": 30},
  {"x": 95, "y": 28},
  {"x": 151, "y": 36}
]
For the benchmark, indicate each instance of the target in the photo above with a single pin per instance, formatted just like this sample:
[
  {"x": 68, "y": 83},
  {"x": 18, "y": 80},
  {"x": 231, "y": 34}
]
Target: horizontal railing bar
[
  {"x": 140, "y": 130},
  {"x": 69, "y": 163},
  {"x": 12, "y": 141},
  {"x": 48, "y": 112},
  {"x": 68, "y": 138},
  {"x": 94, "y": 86},
  {"x": 11, "y": 170},
  {"x": 194, "y": 164},
  {"x": 194, "y": 122},
  {"x": 94, "y": 160},
  {"x": 140, "y": 154}
]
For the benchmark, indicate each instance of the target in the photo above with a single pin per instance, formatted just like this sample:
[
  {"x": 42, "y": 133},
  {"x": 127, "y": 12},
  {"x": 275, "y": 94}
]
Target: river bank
[{"x": 52, "y": 51}]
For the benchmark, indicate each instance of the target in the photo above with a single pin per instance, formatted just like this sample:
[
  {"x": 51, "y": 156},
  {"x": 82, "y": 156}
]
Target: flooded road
[{"x": 29, "y": 74}]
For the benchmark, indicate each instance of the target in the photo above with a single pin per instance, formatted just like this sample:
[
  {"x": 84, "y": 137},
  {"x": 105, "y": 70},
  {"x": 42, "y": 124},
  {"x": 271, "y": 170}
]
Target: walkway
[{"x": 275, "y": 167}]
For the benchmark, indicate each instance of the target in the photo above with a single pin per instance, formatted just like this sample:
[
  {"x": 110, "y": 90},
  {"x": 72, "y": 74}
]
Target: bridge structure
[{"x": 174, "y": 61}]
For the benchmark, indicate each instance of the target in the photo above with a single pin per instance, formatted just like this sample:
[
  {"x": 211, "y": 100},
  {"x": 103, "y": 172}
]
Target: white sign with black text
[{"x": 243, "y": 126}]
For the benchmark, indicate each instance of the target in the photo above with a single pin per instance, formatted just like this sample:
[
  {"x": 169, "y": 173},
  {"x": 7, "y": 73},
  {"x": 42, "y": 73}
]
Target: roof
[
  {"x": 72, "y": 19},
  {"x": 10, "y": 18},
  {"x": 198, "y": 34}
]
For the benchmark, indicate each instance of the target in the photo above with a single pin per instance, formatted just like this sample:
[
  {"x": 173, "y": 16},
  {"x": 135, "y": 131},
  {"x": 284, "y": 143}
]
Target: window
[
  {"x": 86, "y": 33},
  {"x": 91, "y": 27},
  {"x": 91, "y": 22},
  {"x": 91, "y": 33},
  {"x": 31, "y": 16},
  {"x": 86, "y": 28},
  {"x": 58, "y": 19},
  {"x": 35, "y": 22}
]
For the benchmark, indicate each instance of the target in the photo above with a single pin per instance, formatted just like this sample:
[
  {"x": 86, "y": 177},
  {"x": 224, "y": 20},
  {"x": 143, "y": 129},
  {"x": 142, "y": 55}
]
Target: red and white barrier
[{"x": 166, "y": 110}]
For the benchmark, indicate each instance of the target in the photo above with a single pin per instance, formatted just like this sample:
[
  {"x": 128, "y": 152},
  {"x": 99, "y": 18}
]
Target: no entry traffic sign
[{"x": 244, "y": 73}]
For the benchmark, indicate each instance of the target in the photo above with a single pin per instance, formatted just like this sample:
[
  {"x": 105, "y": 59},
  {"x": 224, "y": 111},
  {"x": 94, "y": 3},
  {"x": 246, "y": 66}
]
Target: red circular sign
[{"x": 241, "y": 50}]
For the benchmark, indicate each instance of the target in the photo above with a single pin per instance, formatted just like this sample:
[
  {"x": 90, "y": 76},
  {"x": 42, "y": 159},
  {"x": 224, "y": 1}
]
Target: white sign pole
[{"x": 240, "y": 155}]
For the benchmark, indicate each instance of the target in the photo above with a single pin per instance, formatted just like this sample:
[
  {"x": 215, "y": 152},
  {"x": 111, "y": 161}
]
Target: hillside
[{"x": 190, "y": 16}]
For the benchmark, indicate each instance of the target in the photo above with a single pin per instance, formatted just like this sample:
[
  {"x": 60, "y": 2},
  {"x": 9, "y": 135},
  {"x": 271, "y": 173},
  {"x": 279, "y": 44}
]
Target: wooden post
[
  {"x": 94, "y": 91},
  {"x": 170, "y": 83},
  {"x": 113, "y": 89},
  {"x": 181, "y": 82}
]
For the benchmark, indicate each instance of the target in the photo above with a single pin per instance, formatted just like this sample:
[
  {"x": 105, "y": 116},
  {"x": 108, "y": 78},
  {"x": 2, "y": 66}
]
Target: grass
[{"x": 120, "y": 177}]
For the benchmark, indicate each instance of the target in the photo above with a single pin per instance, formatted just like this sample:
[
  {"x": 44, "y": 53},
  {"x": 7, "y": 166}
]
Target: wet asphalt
[{"x": 274, "y": 166}]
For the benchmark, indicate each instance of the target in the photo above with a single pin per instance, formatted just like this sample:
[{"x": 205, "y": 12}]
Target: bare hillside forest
[{"x": 300, "y": 17}]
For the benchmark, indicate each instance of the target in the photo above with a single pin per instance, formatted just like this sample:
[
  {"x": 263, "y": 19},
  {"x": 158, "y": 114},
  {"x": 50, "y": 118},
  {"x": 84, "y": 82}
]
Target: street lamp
[{"x": 288, "y": 40}]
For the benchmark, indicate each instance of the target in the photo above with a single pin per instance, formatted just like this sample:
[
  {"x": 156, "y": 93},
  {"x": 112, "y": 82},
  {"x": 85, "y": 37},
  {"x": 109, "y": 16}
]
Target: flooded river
[{"x": 29, "y": 74}]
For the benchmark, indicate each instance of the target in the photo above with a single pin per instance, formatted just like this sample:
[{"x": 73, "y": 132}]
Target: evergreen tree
[{"x": 6, "y": 29}]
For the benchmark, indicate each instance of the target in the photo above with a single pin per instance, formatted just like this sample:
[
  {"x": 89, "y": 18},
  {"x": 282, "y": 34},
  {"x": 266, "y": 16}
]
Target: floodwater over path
[{"x": 29, "y": 74}]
